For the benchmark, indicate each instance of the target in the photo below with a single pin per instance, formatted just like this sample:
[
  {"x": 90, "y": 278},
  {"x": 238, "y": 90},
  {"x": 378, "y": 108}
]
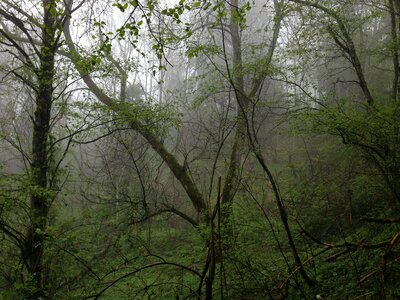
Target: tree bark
[
  {"x": 243, "y": 105},
  {"x": 40, "y": 198}
]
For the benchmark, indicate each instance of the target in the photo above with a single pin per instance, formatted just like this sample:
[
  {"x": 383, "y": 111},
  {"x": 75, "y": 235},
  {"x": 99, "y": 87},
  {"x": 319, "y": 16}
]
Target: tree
[
  {"x": 38, "y": 60},
  {"x": 136, "y": 124},
  {"x": 354, "y": 99}
]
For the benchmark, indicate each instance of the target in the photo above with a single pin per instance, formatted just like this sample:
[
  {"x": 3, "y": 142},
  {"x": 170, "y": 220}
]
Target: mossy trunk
[{"x": 40, "y": 197}]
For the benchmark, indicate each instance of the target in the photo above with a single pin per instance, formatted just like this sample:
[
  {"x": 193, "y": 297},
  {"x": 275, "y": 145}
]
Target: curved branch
[
  {"x": 164, "y": 263},
  {"x": 20, "y": 24},
  {"x": 168, "y": 210},
  {"x": 19, "y": 49}
]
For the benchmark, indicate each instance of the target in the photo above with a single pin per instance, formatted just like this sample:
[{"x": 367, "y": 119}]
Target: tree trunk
[
  {"x": 243, "y": 129},
  {"x": 40, "y": 197},
  {"x": 243, "y": 106}
]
